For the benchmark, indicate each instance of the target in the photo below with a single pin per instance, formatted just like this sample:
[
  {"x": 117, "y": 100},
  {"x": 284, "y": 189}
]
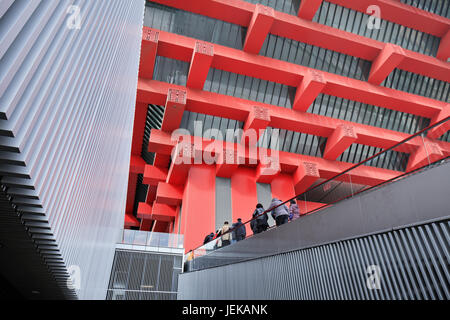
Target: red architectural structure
[{"x": 182, "y": 196}]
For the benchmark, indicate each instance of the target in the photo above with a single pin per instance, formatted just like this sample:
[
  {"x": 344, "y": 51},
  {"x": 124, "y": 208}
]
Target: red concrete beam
[
  {"x": 287, "y": 162},
  {"x": 163, "y": 212},
  {"x": 137, "y": 164},
  {"x": 173, "y": 112},
  {"x": 444, "y": 47},
  {"x": 342, "y": 138},
  {"x": 305, "y": 175},
  {"x": 227, "y": 163},
  {"x": 308, "y": 9},
  {"x": 161, "y": 160},
  {"x": 169, "y": 194},
  {"x": 438, "y": 131},
  {"x": 257, "y": 121},
  {"x": 236, "y": 61},
  {"x": 202, "y": 57},
  {"x": 130, "y": 221},
  {"x": 144, "y": 211},
  {"x": 258, "y": 29},
  {"x": 148, "y": 52},
  {"x": 154, "y": 175},
  {"x": 402, "y": 14},
  {"x": 214, "y": 104},
  {"x": 282, "y": 187},
  {"x": 427, "y": 153},
  {"x": 311, "y": 86},
  {"x": 288, "y": 26},
  {"x": 388, "y": 59}
]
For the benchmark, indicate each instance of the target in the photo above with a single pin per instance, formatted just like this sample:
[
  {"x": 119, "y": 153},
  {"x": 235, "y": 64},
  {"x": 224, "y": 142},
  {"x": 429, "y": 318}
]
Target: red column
[
  {"x": 244, "y": 196},
  {"x": 198, "y": 210},
  {"x": 258, "y": 29}
]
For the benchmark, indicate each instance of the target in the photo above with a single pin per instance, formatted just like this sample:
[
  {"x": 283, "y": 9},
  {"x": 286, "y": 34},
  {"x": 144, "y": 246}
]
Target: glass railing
[
  {"x": 151, "y": 239},
  {"x": 411, "y": 155}
]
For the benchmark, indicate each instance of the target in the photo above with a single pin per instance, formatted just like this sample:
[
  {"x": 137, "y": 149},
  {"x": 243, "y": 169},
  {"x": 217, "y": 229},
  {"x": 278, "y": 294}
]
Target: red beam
[
  {"x": 311, "y": 86},
  {"x": 214, "y": 104},
  {"x": 174, "y": 109},
  {"x": 200, "y": 64},
  {"x": 403, "y": 14},
  {"x": 288, "y": 26},
  {"x": 140, "y": 116},
  {"x": 305, "y": 175},
  {"x": 444, "y": 47},
  {"x": 258, "y": 29},
  {"x": 163, "y": 212},
  {"x": 438, "y": 131},
  {"x": 148, "y": 53},
  {"x": 130, "y": 221},
  {"x": 169, "y": 194},
  {"x": 388, "y": 59},
  {"x": 289, "y": 162},
  {"x": 137, "y": 164},
  {"x": 257, "y": 121},
  {"x": 308, "y": 9},
  {"x": 427, "y": 153},
  {"x": 339, "y": 141},
  {"x": 237, "y": 61},
  {"x": 153, "y": 175}
]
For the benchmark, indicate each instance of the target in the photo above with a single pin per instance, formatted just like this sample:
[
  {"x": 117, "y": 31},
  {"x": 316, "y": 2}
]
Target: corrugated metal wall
[
  {"x": 413, "y": 265},
  {"x": 439, "y": 7},
  {"x": 144, "y": 276},
  {"x": 67, "y": 99}
]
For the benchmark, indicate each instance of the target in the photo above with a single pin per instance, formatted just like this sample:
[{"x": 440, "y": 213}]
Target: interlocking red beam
[
  {"x": 289, "y": 26},
  {"x": 236, "y": 61},
  {"x": 289, "y": 162},
  {"x": 214, "y": 104}
]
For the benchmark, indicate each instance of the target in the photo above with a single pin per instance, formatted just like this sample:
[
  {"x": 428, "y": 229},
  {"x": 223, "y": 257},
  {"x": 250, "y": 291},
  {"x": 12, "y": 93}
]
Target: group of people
[{"x": 281, "y": 213}]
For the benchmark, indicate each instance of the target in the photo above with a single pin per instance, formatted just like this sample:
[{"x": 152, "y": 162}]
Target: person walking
[
  {"x": 239, "y": 232},
  {"x": 281, "y": 213},
  {"x": 294, "y": 212},
  {"x": 261, "y": 219},
  {"x": 226, "y": 236}
]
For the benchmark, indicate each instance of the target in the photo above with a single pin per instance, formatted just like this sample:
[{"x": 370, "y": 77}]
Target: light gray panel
[
  {"x": 68, "y": 96},
  {"x": 223, "y": 202}
]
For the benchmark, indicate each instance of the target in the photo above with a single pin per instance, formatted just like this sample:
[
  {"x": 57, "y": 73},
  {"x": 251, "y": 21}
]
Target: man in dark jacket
[
  {"x": 261, "y": 219},
  {"x": 208, "y": 238},
  {"x": 239, "y": 232}
]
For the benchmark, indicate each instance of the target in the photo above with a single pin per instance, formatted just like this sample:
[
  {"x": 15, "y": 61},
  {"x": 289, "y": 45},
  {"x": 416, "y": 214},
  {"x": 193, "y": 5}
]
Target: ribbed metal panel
[
  {"x": 67, "y": 100},
  {"x": 353, "y": 21},
  {"x": 413, "y": 262},
  {"x": 138, "y": 275},
  {"x": 439, "y": 7},
  {"x": 193, "y": 25},
  {"x": 223, "y": 202}
]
